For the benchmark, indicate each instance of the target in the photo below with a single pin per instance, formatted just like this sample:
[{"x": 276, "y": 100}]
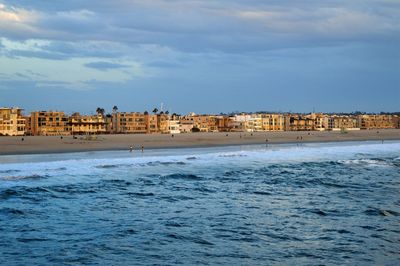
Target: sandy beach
[{"x": 56, "y": 144}]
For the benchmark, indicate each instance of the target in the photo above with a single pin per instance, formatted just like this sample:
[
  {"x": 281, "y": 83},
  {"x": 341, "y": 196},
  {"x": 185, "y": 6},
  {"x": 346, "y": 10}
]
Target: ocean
[{"x": 320, "y": 203}]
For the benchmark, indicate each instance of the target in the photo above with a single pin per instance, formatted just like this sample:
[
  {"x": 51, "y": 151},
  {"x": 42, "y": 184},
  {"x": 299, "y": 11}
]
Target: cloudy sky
[{"x": 205, "y": 56}]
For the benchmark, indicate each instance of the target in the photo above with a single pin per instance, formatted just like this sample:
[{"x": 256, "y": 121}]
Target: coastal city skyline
[
  {"x": 13, "y": 122},
  {"x": 201, "y": 56}
]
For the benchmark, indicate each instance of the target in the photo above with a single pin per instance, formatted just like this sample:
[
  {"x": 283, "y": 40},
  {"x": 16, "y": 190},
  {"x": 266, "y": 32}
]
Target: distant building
[
  {"x": 375, "y": 121},
  {"x": 173, "y": 127},
  {"x": 296, "y": 122},
  {"x": 273, "y": 122},
  {"x": 90, "y": 124},
  {"x": 48, "y": 123},
  {"x": 129, "y": 123},
  {"x": 12, "y": 122},
  {"x": 337, "y": 123}
]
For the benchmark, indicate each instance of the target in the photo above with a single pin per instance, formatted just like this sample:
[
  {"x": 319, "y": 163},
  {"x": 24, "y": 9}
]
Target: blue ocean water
[{"x": 332, "y": 203}]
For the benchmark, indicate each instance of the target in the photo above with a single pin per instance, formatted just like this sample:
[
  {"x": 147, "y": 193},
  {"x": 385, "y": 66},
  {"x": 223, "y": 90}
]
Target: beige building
[
  {"x": 273, "y": 122},
  {"x": 342, "y": 123},
  {"x": 48, "y": 123},
  {"x": 295, "y": 122},
  {"x": 89, "y": 124},
  {"x": 12, "y": 122},
  {"x": 375, "y": 121},
  {"x": 130, "y": 123}
]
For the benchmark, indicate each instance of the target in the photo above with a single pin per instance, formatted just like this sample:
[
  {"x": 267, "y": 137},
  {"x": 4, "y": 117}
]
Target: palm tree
[
  {"x": 155, "y": 110},
  {"x": 161, "y": 113},
  {"x": 146, "y": 113},
  {"x": 100, "y": 111},
  {"x": 115, "y": 109}
]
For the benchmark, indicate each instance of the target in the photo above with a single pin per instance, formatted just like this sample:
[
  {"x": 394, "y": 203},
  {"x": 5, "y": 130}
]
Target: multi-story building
[
  {"x": 90, "y": 124},
  {"x": 129, "y": 123},
  {"x": 295, "y": 122},
  {"x": 375, "y": 121},
  {"x": 336, "y": 122},
  {"x": 173, "y": 127},
  {"x": 396, "y": 121},
  {"x": 48, "y": 123},
  {"x": 273, "y": 122},
  {"x": 12, "y": 122},
  {"x": 151, "y": 123},
  {"x": 162, "y": 123},
  {"x": 201, "y": 122},
  {"x": 186, "y": 124}
]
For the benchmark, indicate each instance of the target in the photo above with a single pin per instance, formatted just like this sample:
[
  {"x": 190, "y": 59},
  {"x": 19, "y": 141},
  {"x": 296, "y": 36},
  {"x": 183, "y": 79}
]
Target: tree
[
  {"x": 100, "y": 111},
  {"x": 146, "y": 113},
  {"x": 167, "y": 112},
  {"x": 115, "y": 109},
  {"x": 161, "y": 113},
  {"x": 155, "y": 110}
]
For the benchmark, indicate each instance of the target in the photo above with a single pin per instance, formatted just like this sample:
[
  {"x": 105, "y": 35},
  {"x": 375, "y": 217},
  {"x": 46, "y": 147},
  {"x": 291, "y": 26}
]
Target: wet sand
[{"x": 54, "y": 144}]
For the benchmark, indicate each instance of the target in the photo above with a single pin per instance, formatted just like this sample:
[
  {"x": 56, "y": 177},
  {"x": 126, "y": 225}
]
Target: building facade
[
  {"x": 48, "y": 123},
  {"x": 12, "y": 122}
]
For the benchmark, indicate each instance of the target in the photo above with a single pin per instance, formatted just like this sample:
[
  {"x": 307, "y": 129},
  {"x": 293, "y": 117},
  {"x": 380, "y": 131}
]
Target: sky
[{"x": 201, "y": 56}]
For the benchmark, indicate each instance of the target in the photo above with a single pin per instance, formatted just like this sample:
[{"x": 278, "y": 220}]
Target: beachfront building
[
  {"x": 223, "y": 123},
  {"x": 186, "y": 124},
  {"x": 342, "y": 123},
  {"x": 151, "y": 123},
  {"x": 12, "y": 122},
  {"x": 238, "y": 123},
  {"x": 273, "y": 122},
  {"x": 296, "y": 122},
  {"x": 173, "y": 127},
  {"x": 396, "y": 121},
  {"x": 321, "y": 121},
  {"x": 89, "y": 124},
  {"x": 162, "y": 123},
  {"x": 48, "y": 123},
  {"x": 375, "y": 121},
  {"x": 201, "y": 122},
  {"x": 129, "y": 123}
]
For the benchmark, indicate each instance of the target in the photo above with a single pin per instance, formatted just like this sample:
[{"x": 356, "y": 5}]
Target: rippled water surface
[{"x": 336, "y": 203}]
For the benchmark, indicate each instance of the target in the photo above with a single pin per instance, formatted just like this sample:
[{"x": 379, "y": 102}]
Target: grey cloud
[
  {"x": 104, "y": 66},
  {"x": 207, "y": 26}
]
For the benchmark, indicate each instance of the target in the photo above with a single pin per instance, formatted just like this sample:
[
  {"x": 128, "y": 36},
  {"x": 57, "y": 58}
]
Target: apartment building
[
  {"x": 12, "y": 122},
  {"x": 186, "y": 124},
  {"x": 273, "y": 122},
  {"x": 89, "y": 124},
  {"x": 129, "y": 123},
  {"x": 151, "y": 123},
  {"x": 173, "y": 127},
  {"x": 342, "y": 123},
  {"x": 375, "y": 121},
  {"x": 48, "y": 123},
  {"x": 295, "y": 122}
]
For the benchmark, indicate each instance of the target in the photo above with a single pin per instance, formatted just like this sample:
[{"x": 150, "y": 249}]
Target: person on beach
[
  {"x": 130, "y": 148},
  {"x": 142, "y": 148}
]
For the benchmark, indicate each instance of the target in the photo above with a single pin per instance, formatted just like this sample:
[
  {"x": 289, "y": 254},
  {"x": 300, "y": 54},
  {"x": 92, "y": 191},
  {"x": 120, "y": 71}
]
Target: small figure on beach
[
  {"x": 227, "y": 135},
  {"x": 130, "y": 148},
  {"x": 142, "y": 148},
  {"x": 22, "y": 139},
  {"x": 297, "y": 137},
  {"x": 61, "y": 137},
  {"x": 172, "y": 135},
  {"x": 251, "y": 134},
  {"x": 240, "y": 135},
  {"x": 301, "y": 137}
]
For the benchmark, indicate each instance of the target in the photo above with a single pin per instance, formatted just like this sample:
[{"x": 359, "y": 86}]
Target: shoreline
[{"x": 54, "y": 144}]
